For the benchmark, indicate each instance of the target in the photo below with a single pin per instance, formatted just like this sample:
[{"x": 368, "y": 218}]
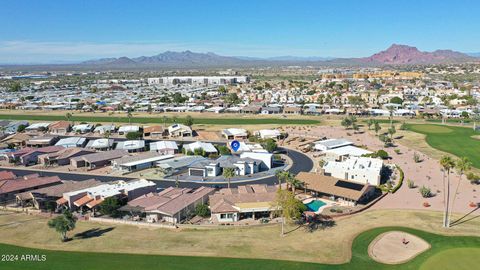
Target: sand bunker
[{"x": 396, "y": 247}]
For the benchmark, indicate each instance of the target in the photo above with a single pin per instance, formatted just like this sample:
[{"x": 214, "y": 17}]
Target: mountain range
[{"x": 395, "y": 55}]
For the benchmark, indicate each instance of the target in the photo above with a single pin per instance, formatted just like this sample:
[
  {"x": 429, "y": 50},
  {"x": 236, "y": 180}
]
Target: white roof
[
  {"x": 176, "y": 127},
  {"x": 269, "y": 133},
  {"x": 105, "y": 128},
  {"x": 109, "y": 190},
  {"x": 251, "y": 148},
  {"x": 71, "y": 141},
  {"x": 355, "y": 163},
  {"x": 235, "y": 132},
  {"x": 333, "y": 143},
  {"x": 147, "y": 160},
  {"x": 127, "y": 129},
  {"x": 349, "y": 150},
  {"x": 38, "y": 125},
  {"x": 208, "y": 147},
  {"x": 82, "y": 127},
  {"x": 159, "y": 145},
  {"x": 100, "y": 143},
  {"x": 129, "y": 145}
]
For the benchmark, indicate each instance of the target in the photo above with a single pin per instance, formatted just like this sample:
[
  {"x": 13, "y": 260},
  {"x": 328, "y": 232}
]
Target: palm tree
[
  {"x": 391, "y": 109},
  {"x": 282, "y": 176},
  {"x": 294, "y": 183},
  {"x": 461, "y": 165},
  {"x": 164, "y": 121},
  {"x": 228, "y": 173},
  {"x": 447, "y": 164},
  {"x": 68, "y": 116},
  {"x": 129, "y": 115}
]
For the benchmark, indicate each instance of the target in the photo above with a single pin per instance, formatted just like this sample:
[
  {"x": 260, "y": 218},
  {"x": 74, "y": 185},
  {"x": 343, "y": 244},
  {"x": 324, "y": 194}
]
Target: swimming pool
[{"x": 314, "y": 205}]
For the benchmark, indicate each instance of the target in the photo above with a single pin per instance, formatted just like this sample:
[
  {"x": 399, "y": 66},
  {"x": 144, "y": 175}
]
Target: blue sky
[{"x": 56, "y": 31}]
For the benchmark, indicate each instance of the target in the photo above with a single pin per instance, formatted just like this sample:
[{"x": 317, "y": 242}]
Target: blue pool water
[{"x": 314, "y": 205}]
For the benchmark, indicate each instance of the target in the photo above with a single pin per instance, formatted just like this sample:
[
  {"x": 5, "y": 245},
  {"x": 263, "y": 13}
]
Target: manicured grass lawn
[
  {"x": 455, "y": 258},
  {"x": 446, "y": 252},
  {"x": 220, "y": 120},
  {"x": 454, "y": 140}
]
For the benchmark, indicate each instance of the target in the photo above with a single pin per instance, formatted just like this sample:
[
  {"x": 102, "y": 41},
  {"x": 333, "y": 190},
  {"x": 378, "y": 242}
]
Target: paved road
[{"x": 301, "y": 162}]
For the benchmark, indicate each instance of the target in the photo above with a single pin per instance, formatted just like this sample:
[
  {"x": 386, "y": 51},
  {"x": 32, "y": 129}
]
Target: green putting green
[
  {"x": 458, "y": 141},
  {"x": 455, "y": 258},
  {"x": 446, "y": 252}
]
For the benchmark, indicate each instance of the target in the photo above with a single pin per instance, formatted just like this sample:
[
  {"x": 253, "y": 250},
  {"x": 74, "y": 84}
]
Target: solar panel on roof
[{"x": 349, "y": 185}]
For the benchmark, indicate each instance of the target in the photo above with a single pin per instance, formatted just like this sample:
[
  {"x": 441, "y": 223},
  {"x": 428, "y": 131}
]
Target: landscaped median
[{"x": 160, "y": 120}]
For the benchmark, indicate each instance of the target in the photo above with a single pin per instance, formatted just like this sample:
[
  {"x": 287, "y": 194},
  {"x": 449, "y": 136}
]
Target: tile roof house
[
  {"x": 154, "y": 131},
  {"x": 249, "y": 201},
  {"x": 292, "y": 110},
  {"x": 62, "y": 157},
  {"x": 42, "y": 141},
  {"x": 42, "y": 197},
  {"x": 60, "y": 127},
  {"x": 93, "y": 196},
  {"x": 171, "y": 205},
  {"x": 5, "y": 175},
  {"x": 97, "y": 160},
  {"x": 31, "y": 157},
  {"x": 235, "y": 133},
  {"x": 138, "y": 162},
  {"x": 346, "y": 192},
  {"x": 17, "y": 139},
  {"x": 10, "y": 187}
]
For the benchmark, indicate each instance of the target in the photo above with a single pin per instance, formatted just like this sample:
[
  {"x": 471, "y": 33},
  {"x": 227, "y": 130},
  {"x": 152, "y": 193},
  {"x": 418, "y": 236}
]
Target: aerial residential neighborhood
[{"x": 239, "y": 135}]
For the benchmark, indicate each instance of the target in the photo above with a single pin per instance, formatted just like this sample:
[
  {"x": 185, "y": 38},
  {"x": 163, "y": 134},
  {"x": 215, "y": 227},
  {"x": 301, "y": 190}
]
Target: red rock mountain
[{"x": 403, "y": 54}]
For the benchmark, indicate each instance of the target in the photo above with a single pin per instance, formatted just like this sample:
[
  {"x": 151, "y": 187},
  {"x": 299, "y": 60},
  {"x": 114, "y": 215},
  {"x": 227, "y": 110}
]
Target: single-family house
[
  {"x": 62, "y": 157},
  {"x": 37, "y": 127},
  {"x": 292, "y": 110},
  {"x": 363, "y": 170},
  {"x": 164, "y": 147},
  {"x": 97, "y": 160},
  {"x": 31, "y": 157},
  {"x": 331, "y": 144},
  {"x": 179, "y": 130},
  {"x": 344, "y": 192},
  {"x": 91, "y": 197},
  {"x": 138, "y": 162},
  {"x": 10, "y": 187},
  {"x": 154, "y": 131},
  {"x": 103, "y": 144},
  {"x": 60, "y": 127},
  {"x": 131, "y": 146},
  {"x": 171, "y": 205},
  {"x": 207, "y": 147},
  {"x": 82, "y": 128},
  {"x": 105, "y": 129},
  {"x": 244, "y": 202},
  {"x": 42, "y": 141},
  {"x": 268, "y": 133},
  {"x": 45, "y": 198},
  {"x": 235, "y": 134},
  {"x": 72, "y": 142},
  {"x": 123, "y": 130}
]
